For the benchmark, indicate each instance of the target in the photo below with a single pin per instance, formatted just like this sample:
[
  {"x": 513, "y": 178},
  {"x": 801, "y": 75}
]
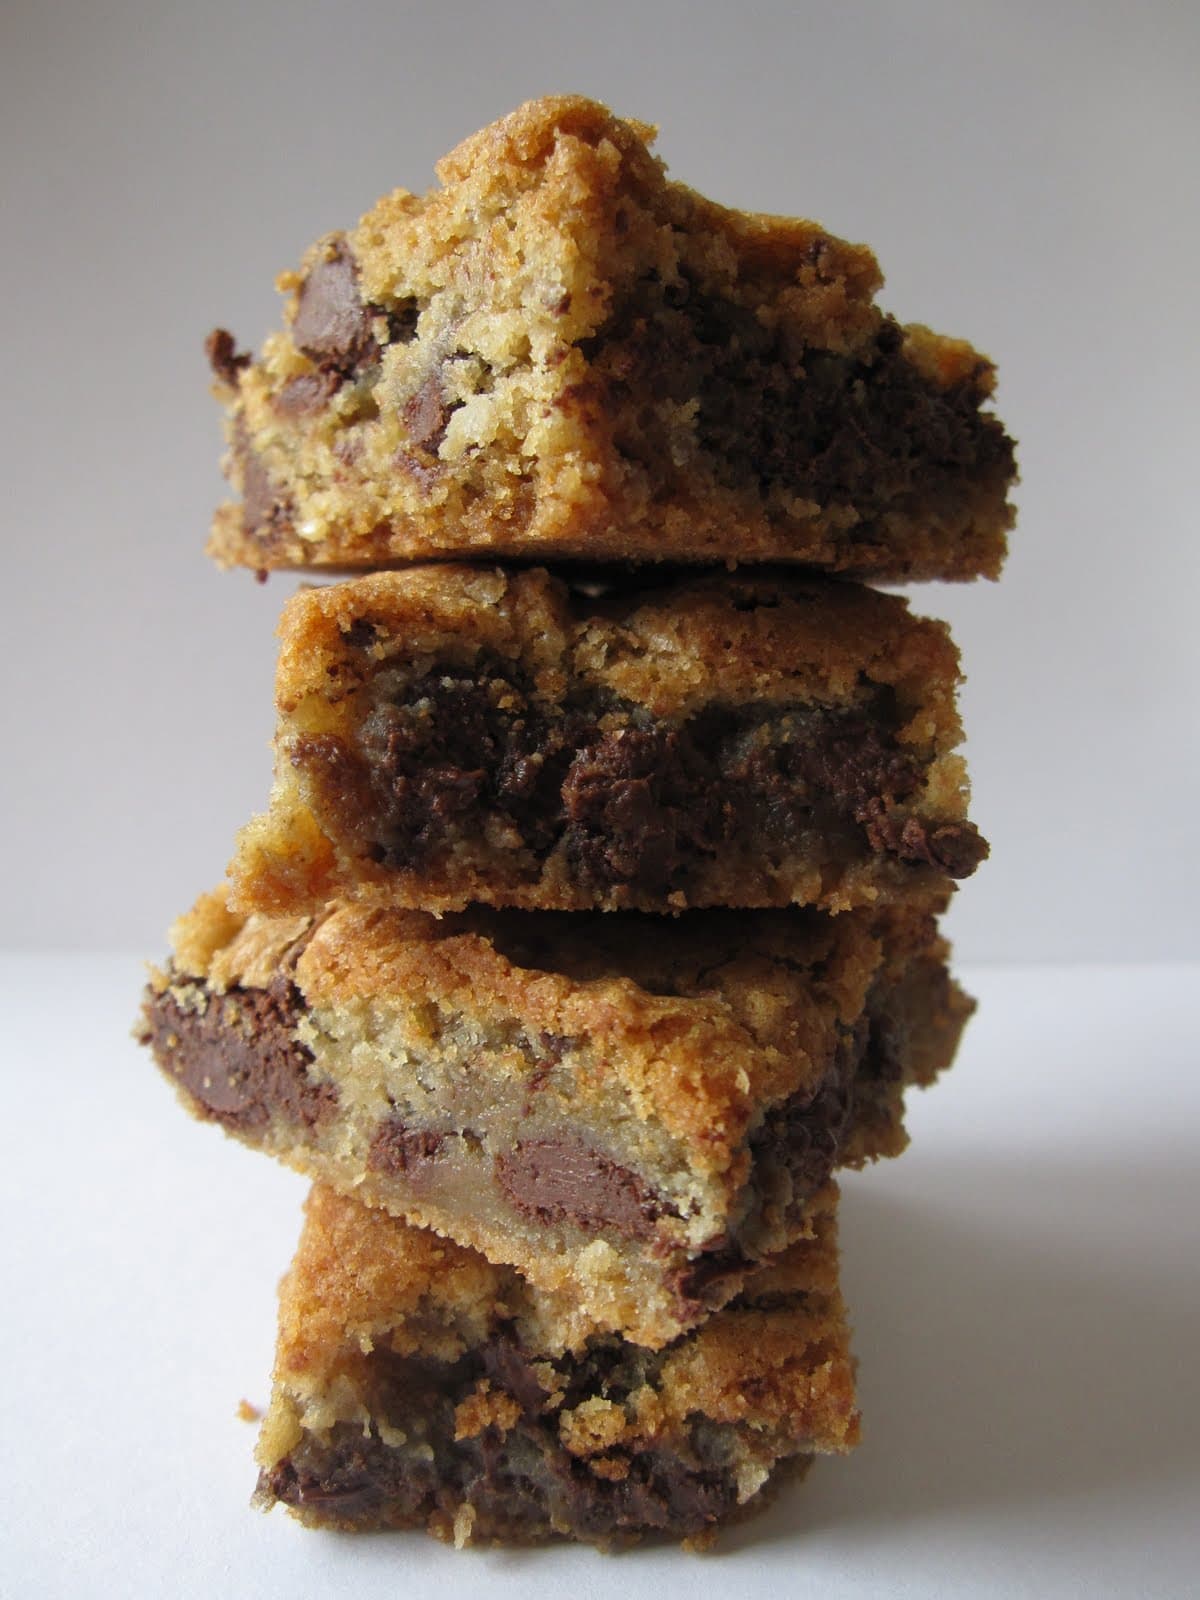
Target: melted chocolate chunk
[
  {"x": 803, "y": 1137},
  {"x": 793, "y": 1152},
  {"x": 564, "y": 1180},
  {"x": 956, "y": 848},
  {"x": 660, "y": 1492},
  {"x": 508, "y": 1367},
  {"x": 361, "y": 634},
  {"x": 265, "y": 506},
  {"x": 522, "y": 1482},
  {"x": 519, "y": 1479},
  {"x": 427, "y": 414},
  {"x": 424, "y": 474},
  {"x": 307, "y": 393},
  {"x": 238, "y": 1057},
  {"x": 553, "y": 1046},
  {"x": 868, "y": 430},
  {"x": 887, "y": 1049},
  {"x": 397, "y": 1148},
  {"x": 645, "y": 805},
  {"x": 702, "y": 1281},
  {"x": 457, "y": 745},
  {"x": 637, "y": 804},
  {"x": 334, "y": 327}
]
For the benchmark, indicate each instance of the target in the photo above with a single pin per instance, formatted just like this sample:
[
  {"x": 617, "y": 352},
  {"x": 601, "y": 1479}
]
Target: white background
[
  {"x": 1024, "y": 1282},
  {"x": 1026, "y": 173}
]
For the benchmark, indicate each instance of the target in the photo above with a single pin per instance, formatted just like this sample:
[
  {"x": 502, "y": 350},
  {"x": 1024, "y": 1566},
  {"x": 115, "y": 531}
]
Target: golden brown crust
[
  {"x": 486, "y": 396},
  {"x": 764, "y": 637},
  {"x": 359, "y": 1273}
]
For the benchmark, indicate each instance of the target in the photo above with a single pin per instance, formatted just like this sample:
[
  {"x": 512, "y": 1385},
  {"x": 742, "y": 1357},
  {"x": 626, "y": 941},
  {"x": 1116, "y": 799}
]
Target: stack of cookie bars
[{"x": 593, "y": 922}]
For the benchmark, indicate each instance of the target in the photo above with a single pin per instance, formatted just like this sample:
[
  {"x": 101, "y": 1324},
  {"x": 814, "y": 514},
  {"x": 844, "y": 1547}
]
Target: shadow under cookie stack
[{"x": 592, "y": 925}]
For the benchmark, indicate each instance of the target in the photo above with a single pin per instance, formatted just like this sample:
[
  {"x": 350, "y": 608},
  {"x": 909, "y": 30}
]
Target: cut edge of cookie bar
[
  {"x": 451, "y": 735},
  {"x": 419, "y": 1386},
  {"x": 633, "y": 1110},
  {"x": 560, "y": 354}
]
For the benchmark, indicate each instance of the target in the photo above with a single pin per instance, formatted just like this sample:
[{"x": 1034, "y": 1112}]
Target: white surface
[
  {"x": 1025, "y": 172},
  {"x": 1023, "y": 1284}
]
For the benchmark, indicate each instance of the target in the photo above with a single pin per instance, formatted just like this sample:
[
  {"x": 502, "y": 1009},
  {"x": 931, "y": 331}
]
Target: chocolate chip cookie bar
[
  {"x": 452, "y": 734},
  {"x": 631, "y": 1110},
  {"x": 417, "y": 1385},
  {"x": 559, "y": 354}
]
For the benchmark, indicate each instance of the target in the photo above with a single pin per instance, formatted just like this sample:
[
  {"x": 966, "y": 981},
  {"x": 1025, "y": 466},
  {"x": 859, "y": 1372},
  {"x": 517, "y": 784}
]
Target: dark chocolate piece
[
  {"x": 224, "y": 357},
  {"x": 524, "y": 1483},
  {"x": 427, "y": 413},
  {"x": 868, "y": 430},
  {"x": 238, "y": 1057},
  {"x": 333, "y": 326},
  {"x": 306, "y": 393},
  {"x": 563, "y": 1179},
  {"x": 398, "y": 1148},
  {"x": 264, "y": 504},
  {"x": 638, "y": 805},
  {"x": 523, "y": 1479}
]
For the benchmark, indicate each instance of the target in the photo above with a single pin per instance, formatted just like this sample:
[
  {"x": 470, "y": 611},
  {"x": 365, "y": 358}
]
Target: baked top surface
[
  {"x": 660, "y": 640},
  {"x": 559, "y": 351}
]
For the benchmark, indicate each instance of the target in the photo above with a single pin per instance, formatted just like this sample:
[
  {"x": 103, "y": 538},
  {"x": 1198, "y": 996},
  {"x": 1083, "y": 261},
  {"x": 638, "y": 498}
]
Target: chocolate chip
[
  {"x": 802, "y": 1137},
  {"x": 793, "y": 1151},
  {"x": 224, "y": 357},
  {"x": 638, "y": 803},
  {"x": 508, "y": 1367},
  {"x": 237, "y": 1055},
  {"x": 424, "y": 475},
  {"x": 347, "y": 1490},
  {"x": 397, "y": 1148},
  {"x": 426, "y": 414},
  {"x": 307, "y": 393},
  {"x": 955, "y": 849},
  {"x": 332, "y": 325},
  {"x": 401, "y": 320},
  {"x": 563, "y": 1179},
  {"x": 555, "y": 1045},
  {"x": 265, "y": 506}
]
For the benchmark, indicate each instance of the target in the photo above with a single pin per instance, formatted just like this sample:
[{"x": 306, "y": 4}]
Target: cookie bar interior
[
  {"x": 632, "y": 1109},
  {"x": 455, "y": 734},
  {"x": 417, "y": 1385},
  {"x": 559, "y": 353}
]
